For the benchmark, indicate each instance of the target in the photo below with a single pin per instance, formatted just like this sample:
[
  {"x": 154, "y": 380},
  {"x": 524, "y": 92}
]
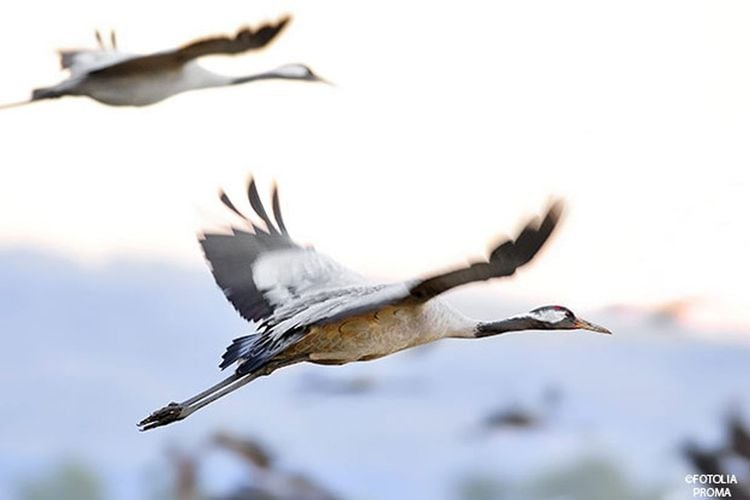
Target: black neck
[{"x": 508, "y": 325}]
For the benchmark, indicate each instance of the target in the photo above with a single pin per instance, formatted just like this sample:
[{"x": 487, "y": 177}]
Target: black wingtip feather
[
  {"x": 270, "y": 31},
  {"x": 276, "y": 206},
  {"x": 531, "y": 239},
  {"x": 260, "y": 210},
  {"x": 231, "y": 257},
  {"x": 504, "y": 259},
  {"x": 554, "y": 214},
  {"x": 226, "y": 201},
  {"x": 283, "y": 22}
]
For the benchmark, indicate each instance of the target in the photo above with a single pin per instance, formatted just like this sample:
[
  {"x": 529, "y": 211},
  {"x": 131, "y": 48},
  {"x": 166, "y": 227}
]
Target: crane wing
[
  {"x": 245, "y": 39},
  {"x": 271, "y": 279},
  {"x": 77, "y": 59},
  {"x": 333, "y": 305},
  {"x": 83, "y": 61},
  {"x": 503, "y": 260},
  {"x": 261, "y": 268}
]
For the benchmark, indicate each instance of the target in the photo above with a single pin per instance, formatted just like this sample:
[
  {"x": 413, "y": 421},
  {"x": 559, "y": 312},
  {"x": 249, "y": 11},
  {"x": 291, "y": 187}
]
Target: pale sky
[{"x": 449, "y": 125}]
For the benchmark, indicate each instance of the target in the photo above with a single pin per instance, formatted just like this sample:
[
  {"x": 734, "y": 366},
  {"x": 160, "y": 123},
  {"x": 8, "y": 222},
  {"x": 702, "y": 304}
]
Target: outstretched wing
[
  {"x": 344, "y": 302},
  {"x": 503, "y": 261},
  {"x": 292, "y": 289},
  {"x": 245, "y": 39},
  {"x": 72, "y": 58},
  {"x": 261, "y": 268}
]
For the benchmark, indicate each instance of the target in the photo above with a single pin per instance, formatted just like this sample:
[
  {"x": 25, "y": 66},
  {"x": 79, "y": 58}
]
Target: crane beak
[
  {"x": 585, "y": 325},
  {"x": 323, "y": 80}
]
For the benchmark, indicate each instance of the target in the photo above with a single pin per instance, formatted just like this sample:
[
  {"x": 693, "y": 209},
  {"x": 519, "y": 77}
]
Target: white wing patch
[{"x": 286, "y": 273}]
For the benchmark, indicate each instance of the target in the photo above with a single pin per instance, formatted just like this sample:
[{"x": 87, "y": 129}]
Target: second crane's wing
[
  {"x": 245, "y": 39},
  {"x": 261, "y": 268},
  {"x": 81, "y": 61}
]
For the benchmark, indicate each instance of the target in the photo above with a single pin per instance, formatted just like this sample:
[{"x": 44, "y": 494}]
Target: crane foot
[{"x": 166, "y": 415}]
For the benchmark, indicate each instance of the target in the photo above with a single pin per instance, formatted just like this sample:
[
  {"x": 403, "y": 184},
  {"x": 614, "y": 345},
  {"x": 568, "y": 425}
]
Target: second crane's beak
[
  {"x": 585, "y": 325},
  {"x": 320, "y": 79}
]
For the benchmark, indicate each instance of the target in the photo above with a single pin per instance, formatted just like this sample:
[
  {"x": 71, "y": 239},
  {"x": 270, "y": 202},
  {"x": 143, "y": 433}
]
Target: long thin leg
[
  {"x": 211, "y": 390},
  {"x": 223, "y": 392},
  {"x": 178, "y": 411}
]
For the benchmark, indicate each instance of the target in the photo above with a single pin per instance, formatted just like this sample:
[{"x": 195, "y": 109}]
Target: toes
[{"x": 170, "y": 413}]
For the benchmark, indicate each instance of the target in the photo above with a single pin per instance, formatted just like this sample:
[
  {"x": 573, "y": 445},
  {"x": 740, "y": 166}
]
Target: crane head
[
  {"x": 298, "y": 72},
  {"x": 562, "y": 318}
]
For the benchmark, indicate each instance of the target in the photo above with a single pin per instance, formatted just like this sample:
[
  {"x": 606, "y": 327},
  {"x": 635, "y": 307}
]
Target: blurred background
[{"x": 449, "y": 124}]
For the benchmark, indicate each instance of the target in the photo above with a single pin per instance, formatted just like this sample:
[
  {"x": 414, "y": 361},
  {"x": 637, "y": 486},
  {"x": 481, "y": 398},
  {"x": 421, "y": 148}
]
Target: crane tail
[{"x": 240, "y": 348}]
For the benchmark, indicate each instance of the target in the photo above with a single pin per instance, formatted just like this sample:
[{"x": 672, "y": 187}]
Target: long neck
[
  {"x": 512, "y": 324},
  {"x": 270, "y": 75}
]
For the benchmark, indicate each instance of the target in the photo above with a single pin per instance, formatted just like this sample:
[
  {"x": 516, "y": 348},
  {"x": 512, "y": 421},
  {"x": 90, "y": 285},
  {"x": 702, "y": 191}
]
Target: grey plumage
[
  {"x": 311, "y": 289},
  {"x": 308, "y": 307},
  {"x": 233, "y": 258},
  {"x": 308, "y": 289}
]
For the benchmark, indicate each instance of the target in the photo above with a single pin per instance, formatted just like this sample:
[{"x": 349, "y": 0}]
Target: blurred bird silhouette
[
  {"x": 339, "y": 386},
  {"x": 513, "y": 417},
  {"x": 264, "y": 481},
  {"x": 249, "y": 450},
  {"x": 123, "y": 79},
  {"x": 268, "y": 482},
  {"x": 310, "y": 308},
  {"x": 733, "y": 457},
  {"x": 705, "y": 461},
  {"x": 523, "y": 416},
  {"x": 739, "y": 436},
  {"x": 185, "y": 468}
]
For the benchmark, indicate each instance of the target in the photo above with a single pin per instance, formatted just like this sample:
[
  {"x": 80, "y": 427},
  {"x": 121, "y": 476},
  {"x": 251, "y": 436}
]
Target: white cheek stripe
[
  {"x": 548, "y": 315},
  {"x": 292, "y": 70}
]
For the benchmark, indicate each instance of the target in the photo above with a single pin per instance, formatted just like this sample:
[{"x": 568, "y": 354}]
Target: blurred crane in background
[
  {"x": 123, "y": 79},
  {"x": 264, "y": 479}
]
